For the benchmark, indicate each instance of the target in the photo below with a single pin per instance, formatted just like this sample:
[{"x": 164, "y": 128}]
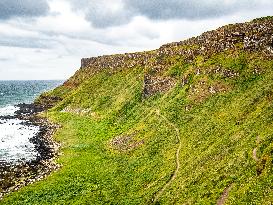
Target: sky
[{"x": 46, "y": 39}]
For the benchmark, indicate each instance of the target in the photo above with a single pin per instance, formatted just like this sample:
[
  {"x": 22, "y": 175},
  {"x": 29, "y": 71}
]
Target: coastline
[{"x": 16, "y": 176}]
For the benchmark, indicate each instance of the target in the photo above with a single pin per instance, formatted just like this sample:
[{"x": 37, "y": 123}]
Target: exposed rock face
[
  {"x": 43, "y": 102},
  {"x": 78, "y": 111},
  {"x": 153, "y": 84},
  {"x": 254, "y": 36},
  {"x": 125, "y": 143}
]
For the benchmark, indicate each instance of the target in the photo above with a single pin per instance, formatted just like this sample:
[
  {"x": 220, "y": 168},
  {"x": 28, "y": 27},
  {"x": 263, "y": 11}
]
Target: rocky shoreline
[{"x": 15, "y": 176}]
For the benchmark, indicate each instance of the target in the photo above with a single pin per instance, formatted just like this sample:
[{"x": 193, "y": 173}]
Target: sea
[{"x": 15, "y": 135}]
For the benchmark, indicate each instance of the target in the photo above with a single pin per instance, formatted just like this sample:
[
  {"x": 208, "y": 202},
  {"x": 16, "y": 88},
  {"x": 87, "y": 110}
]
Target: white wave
[
  {"x": 15, "y": 142},
  {"x": 8, "y": 110}
]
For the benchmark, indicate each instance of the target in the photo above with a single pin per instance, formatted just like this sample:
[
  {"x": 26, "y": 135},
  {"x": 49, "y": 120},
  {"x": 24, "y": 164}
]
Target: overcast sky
[{"x": 45, "y": 39}]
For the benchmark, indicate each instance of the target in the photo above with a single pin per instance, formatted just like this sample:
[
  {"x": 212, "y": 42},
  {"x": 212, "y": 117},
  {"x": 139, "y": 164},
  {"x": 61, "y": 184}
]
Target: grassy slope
[{"x": 218, "y": 135}]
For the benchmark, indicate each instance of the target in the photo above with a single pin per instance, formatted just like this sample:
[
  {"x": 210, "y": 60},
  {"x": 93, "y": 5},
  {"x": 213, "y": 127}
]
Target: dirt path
[
  {"x": 224, "y": 196},
  {"x": 254, "y": 153},
  {"x": 161, "y": 191}
]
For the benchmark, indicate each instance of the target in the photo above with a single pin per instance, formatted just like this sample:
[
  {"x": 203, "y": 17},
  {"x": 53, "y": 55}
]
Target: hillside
[{"x": 188, "y": 123}]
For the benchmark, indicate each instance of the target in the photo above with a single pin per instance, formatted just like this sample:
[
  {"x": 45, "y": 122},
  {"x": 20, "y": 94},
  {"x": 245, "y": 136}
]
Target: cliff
[
  {"x": 188, "y": 123},
  {"x": 254, "y": 36}
]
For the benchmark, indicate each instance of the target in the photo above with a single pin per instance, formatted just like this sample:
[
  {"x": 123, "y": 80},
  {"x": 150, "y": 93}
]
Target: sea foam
[
  {"x": 15, "y": 145},
  {"x": 8, "y": 110}
]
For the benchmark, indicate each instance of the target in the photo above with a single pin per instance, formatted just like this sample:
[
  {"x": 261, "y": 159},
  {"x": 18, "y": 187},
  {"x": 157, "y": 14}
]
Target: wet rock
[{"x": 13, "y": 176}]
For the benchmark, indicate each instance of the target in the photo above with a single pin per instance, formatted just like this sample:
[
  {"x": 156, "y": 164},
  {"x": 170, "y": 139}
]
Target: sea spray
[
  {"x": 16, "y": 134},
  {"x": 15, "y": 145}
]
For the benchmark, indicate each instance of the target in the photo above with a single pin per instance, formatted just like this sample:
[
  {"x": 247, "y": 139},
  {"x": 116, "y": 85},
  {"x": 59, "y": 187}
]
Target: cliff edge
[
  {"x": 254, "y": 36},
  {"x": 188, "y": 123}
]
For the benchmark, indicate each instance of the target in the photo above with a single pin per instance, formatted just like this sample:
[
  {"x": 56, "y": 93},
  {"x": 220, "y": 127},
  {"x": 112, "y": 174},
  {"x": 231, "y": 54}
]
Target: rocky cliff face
[
  {"x": 254, "y": 36},
  {"x": 188, "y": 123}
]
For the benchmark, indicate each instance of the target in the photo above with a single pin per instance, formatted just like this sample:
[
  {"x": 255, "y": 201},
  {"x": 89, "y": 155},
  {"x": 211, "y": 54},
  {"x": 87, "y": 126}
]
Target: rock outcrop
[{"x": 254, "y": 36}]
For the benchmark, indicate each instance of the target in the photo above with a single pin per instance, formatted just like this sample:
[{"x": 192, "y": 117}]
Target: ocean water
[{"x": 15, "y": 136}]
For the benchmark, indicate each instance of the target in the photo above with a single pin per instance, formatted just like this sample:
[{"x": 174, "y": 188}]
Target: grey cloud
[
  {"x": 27, "y": 42},
  {"x": 186, "y": 9},
  {"x": 97, "y": 12},
  {"x": 106, "y": 20},
  {"x": 100, "y": 17},
  {"x": 4, "y": 59},
  {"x": 23, "y": 8}
]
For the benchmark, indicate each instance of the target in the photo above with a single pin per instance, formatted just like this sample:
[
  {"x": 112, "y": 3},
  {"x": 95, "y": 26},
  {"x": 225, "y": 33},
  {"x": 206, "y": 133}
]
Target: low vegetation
[{"x": 122, "y": 151}]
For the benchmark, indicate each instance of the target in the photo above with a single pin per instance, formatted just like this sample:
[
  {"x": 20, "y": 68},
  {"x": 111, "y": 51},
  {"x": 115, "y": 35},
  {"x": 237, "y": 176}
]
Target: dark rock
[{"x": 14, "y": 176}]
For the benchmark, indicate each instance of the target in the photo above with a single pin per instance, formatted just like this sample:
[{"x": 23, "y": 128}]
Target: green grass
[{"x": 218, "y": 135}]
